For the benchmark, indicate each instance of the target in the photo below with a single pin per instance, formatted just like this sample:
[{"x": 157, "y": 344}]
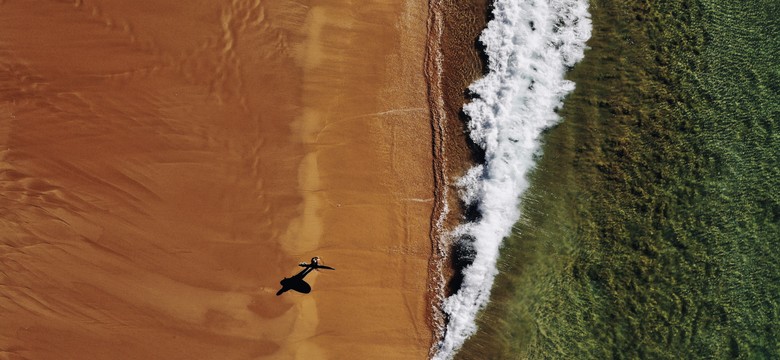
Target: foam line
[{"x": 530, "y": 45}]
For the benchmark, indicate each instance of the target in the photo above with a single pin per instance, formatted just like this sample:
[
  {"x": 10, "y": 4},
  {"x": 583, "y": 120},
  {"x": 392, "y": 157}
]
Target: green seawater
[{"x": 652, "y": 227}]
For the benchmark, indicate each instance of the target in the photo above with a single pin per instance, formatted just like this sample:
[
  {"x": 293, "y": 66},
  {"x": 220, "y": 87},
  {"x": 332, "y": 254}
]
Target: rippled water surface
[{"x": 652, "y": 224}]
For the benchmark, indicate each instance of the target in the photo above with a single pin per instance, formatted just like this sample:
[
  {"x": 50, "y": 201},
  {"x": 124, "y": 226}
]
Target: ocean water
[{"x": 651, "y": 226}]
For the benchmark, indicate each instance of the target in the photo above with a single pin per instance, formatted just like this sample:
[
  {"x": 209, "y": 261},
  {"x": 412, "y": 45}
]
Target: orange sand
[{"x": 163, "y": 164}]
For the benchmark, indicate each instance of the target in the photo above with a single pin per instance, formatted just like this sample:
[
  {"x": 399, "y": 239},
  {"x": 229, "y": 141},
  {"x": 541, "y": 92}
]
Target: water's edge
[{"x": 530, "y": 46}]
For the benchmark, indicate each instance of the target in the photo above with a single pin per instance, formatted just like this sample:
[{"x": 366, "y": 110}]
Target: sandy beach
[{"x": 163, "y": 166}]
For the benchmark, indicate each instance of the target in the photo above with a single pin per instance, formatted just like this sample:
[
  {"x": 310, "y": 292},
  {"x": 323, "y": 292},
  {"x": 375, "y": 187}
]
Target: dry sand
[{"x": 163, "y": 164}]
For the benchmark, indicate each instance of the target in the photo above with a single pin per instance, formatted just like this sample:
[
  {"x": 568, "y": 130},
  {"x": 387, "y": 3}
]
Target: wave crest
[{"x": 530, "y": 44}]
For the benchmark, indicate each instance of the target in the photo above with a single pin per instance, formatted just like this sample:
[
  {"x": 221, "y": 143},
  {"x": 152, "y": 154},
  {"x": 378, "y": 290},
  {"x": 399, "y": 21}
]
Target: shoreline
[
  {"x": 512, "y": 106},
  {"x": 453, "y": 62},
  {"x": 433, "y": 74}
]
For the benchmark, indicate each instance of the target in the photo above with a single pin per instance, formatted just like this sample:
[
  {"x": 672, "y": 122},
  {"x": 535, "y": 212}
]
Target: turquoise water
[{"x": 652, "y": 226}]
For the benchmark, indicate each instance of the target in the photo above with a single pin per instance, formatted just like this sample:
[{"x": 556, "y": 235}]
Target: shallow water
[{"x": 652, "y": 221}]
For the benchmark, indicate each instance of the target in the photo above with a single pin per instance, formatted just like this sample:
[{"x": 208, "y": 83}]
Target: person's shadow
[{"x": 296, "y": 282}]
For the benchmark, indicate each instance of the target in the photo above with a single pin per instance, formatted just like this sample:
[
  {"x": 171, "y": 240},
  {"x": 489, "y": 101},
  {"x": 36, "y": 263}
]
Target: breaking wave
[{"x": 530, "y": 45}]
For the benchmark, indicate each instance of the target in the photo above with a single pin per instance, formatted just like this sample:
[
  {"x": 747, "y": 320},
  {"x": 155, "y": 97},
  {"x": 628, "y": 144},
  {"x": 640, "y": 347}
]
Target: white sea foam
[{"x": 530, "y": 45}]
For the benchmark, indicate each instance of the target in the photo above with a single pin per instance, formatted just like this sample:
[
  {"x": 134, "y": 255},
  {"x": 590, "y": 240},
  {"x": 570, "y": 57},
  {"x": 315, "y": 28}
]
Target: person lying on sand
[{"x": 296, "y": 282}]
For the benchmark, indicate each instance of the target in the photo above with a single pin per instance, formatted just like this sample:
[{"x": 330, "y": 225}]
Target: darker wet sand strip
[{"x": 454, "y": 61}]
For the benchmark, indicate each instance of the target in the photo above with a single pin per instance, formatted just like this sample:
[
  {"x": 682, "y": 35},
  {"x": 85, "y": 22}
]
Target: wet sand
[
  {"x": 455, "y": 62},
  {"x": 163, "y": 166}
]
